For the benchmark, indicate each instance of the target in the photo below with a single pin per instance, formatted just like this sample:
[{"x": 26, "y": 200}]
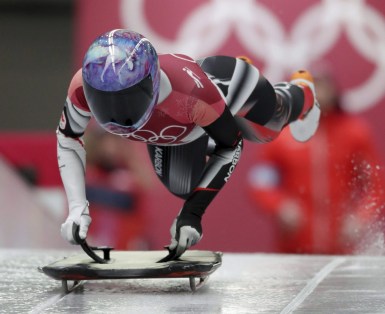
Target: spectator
[{"x": 323, "y": 194}]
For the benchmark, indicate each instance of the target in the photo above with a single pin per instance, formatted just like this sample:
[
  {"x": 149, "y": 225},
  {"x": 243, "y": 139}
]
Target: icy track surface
[{"x": 246, "y": 283}]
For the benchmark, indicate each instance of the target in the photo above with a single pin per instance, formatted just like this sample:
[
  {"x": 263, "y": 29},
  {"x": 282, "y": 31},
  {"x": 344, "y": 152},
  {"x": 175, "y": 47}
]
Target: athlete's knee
[
  {"x": 261, "y": 103},
  {"x": 290, "y": 96}
]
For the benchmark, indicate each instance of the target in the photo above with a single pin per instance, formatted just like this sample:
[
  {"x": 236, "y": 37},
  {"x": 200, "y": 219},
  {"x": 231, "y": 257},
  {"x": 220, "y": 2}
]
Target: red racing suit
[
  {"x": 190, "y": 105},
  {"x": 218, "y": 99}
]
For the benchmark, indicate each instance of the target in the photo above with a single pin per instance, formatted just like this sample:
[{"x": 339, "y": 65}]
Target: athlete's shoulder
[
  {"x": 76, "y": 93},
  {"x": 174, "y": 58},
  {"x": 182, "y": 72}
]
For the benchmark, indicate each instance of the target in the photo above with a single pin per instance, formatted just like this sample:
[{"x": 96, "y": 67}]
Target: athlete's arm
[
  {"x": 187, "y": 229},
  {"x": 72, "y": 162},
  {"x": 220, "y": 165}
]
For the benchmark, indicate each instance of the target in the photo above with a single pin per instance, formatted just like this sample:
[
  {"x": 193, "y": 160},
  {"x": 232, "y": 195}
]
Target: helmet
[{"x": 121, "y": 80}]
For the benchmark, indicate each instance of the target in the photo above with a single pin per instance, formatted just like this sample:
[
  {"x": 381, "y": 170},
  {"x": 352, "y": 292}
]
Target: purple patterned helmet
[{"x": 121, "y": 80}]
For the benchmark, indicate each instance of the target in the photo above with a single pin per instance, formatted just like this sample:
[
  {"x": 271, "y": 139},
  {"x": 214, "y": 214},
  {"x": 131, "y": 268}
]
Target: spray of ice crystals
[{"x": 370, "y": 195}]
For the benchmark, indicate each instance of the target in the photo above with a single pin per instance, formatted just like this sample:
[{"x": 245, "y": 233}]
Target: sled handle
[
  {"x": 171, "y": 256},
  {"x": 90, "y": 250}
]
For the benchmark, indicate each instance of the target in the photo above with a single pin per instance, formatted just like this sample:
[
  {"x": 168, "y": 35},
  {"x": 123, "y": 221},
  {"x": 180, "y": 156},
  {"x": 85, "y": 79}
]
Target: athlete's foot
[{"x": 306, "y": 125}]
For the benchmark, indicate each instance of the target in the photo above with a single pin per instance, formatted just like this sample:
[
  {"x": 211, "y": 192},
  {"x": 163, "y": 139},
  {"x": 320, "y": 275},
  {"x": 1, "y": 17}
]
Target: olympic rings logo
[
  {"x": 169, "y": 135},
  {"x": 313, "y": 35}
]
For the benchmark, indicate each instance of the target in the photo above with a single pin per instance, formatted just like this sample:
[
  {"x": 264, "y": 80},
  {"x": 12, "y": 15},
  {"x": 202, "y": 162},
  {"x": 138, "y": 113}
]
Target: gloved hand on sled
[
  {"x": 186, "y": 231},
  {"x": 78, "y": 217}
]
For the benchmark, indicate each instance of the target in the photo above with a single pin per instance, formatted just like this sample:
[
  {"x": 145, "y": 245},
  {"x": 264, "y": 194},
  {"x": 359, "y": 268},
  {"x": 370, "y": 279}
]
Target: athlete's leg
[
  {"x": 260, "y": 109},
  {"x": 180, "y": 167}
]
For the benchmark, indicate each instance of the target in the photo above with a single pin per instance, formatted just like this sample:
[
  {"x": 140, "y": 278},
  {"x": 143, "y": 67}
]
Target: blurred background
[{"x": 344, "y": 40}]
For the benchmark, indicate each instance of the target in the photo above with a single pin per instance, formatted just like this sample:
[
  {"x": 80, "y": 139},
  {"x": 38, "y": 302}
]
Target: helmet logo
[
  {"x": 110, "y": 61},
  {"x": 115, "y": 56}
]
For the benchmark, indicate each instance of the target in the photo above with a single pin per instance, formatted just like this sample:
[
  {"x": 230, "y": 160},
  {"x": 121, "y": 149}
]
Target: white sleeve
[
  {"x": 72, "y": 164},
  {"x": 71, "y": 153}
]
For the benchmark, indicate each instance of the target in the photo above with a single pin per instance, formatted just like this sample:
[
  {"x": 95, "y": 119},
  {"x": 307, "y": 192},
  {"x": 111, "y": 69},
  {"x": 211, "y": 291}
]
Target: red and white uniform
[
  {"x": 189, "y": 106},
  {"x": 198, "y": 101}
]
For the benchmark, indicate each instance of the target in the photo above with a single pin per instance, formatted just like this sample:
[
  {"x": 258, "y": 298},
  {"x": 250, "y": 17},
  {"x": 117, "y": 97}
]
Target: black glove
[{"x": 186, "y": 231}]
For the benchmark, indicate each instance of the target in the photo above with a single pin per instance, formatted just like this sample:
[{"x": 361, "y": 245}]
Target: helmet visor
[{"x": 125, "y": 109}]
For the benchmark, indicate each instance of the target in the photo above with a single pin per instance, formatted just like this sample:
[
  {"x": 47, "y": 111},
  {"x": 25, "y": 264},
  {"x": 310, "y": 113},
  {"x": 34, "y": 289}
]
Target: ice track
[{"x": 246, "y": 283}]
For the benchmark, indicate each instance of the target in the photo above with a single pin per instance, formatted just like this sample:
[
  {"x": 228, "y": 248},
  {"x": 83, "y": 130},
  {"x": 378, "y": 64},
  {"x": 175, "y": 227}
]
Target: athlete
[{"x": 192, "y": 114}]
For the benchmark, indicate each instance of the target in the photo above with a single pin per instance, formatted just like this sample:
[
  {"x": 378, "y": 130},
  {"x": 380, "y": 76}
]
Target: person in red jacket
[
  {"x": 323, "y": 194},
  {"x": 193, "y": 115}
]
